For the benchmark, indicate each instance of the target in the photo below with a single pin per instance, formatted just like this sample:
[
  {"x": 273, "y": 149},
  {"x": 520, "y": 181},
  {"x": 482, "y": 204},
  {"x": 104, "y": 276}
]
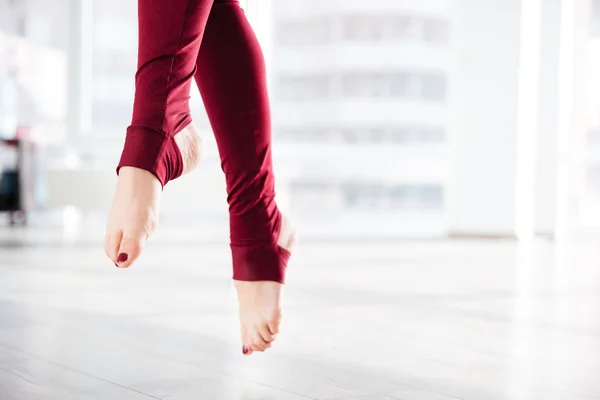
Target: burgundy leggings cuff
[
  {"x": 259, "y": 263},
  {"x": 153, "y": 151}
]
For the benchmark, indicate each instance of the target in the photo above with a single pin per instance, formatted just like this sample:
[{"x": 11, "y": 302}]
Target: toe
[
  {"x": 265, "y": 333},
  {"x": 254, "y": 348},
  {"x": 130, "y": 250},
  {"x": 274, "y": 325},
  {"x": 112, "y": 243},
  {"x": 246, "y": 341},
  {"x": 258, "y": 343},
  {"x": 246, "y": 350}
]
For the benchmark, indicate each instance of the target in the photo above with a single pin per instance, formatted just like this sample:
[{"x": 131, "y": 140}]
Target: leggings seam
[{"x": 177, "y": 49}]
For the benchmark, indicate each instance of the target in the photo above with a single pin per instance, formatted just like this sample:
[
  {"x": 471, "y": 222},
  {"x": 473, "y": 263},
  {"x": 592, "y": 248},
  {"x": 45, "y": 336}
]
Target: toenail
[
  {"x": 122, "y": 258},
  {"x": 245, "y": 350}
]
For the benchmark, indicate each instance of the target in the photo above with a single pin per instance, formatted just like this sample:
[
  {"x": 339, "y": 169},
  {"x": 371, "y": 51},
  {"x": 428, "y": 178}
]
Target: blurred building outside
[{"x": 365, "y": 130}]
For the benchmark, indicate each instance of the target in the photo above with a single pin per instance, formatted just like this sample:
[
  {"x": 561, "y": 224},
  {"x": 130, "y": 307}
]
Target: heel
[
  {"x": 191, "y": 147},
  {"x": 152, "y": 151},
  {"x": 287, "y": 236}
]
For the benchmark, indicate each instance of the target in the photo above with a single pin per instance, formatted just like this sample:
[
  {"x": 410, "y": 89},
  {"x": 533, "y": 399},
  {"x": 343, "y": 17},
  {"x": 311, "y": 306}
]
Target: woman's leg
[
  {"x": 231, "y": 78},
  {"x": 162, "y": 142}
]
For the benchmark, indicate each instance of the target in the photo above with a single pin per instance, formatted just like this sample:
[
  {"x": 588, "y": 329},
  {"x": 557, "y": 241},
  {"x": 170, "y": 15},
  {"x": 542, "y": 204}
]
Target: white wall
[
  {"x": 518, "y": 117},
  {"x": 484, "y": 117},
  {"x": 547, "y": 145}
]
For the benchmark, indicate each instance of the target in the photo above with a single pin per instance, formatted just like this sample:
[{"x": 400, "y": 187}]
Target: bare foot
[
  {"x": 261, "y": 302},
  {"x": 134, "y": 212}
]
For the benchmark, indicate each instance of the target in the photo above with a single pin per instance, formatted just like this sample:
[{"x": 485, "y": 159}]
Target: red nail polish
[
  {"x": 122, "y": 258},
  {"x": 245, "y": 350}
]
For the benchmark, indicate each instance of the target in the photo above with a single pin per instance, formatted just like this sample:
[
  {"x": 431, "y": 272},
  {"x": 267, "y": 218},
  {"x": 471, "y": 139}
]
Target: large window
[{"x": 362, "y": 123}]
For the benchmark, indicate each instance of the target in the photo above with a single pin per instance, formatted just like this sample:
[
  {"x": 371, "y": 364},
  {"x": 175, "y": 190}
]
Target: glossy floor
[{"x": 364, "y": 321}]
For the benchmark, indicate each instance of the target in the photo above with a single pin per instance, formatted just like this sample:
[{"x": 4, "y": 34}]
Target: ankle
[
  {"x": 136, "y": 173},
  {"x": 152, "y": 151},
  {"x": 191, "y": 147},
  {"x": 138, "y": 182},
  {"x": 287, "y": 234}
]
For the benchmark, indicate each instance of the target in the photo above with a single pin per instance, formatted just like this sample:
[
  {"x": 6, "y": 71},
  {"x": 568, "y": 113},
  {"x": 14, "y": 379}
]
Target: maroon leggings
[{"x": 213, "y": 43}]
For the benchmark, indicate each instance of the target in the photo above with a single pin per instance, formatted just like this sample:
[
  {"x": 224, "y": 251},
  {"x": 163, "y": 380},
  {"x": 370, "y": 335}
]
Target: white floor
[{"x": 435, "y": 320}]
